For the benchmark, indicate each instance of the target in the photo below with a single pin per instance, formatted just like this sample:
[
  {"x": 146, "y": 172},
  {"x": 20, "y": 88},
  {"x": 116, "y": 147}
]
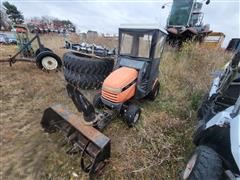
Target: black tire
[
  {"x": 154, "y": 92},
  {"x": 205, "y": 164},
  {"x": 83, "y": 81},
  {"x": 75, "y": 62},
  {"x": 44, "y": 49},
  {"x": 86, "y": 73},
  {"x": 97, "y": 101},
  {"x": 44, "y": 54},
  {"x": 132, "y": 115}
]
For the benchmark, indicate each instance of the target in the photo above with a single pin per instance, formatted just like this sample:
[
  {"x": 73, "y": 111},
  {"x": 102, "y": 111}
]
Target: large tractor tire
[
  {"x": 84, "y": 72},
  {"x": 83, "y": 81},
  {"x": 204, "y": 163}
]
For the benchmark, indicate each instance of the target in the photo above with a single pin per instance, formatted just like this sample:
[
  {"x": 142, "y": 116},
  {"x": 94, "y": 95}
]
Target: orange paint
[{"x": 113, "y": 85}]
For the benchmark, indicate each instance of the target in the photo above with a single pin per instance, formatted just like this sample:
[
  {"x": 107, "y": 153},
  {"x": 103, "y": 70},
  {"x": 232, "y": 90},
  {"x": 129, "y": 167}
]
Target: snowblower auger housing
[
  {"x": 135, "y": 76},
  {"x": 85, "y": 140}
]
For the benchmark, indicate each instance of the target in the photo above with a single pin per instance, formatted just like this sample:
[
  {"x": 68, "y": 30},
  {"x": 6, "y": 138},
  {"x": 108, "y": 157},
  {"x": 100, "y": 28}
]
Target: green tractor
[{"x": 185, "y": 22}]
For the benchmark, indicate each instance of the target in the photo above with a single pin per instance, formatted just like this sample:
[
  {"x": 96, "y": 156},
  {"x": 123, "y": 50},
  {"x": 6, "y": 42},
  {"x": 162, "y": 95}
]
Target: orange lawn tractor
[{"x": 134, "y": 77}]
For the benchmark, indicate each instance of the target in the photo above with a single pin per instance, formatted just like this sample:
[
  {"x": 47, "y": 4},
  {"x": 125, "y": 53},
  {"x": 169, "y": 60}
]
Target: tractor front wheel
[{"x": 132, "y": 115}]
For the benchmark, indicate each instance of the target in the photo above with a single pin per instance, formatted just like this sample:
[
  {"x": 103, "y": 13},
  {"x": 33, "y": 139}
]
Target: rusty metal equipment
[
  {"x": 185, "y": 22},
  {"x": 214, "y": 40},
  {"x": 84, "y": 136},
  {"x": 92, "y": 145},
  {"x": 44, "y": 58}
]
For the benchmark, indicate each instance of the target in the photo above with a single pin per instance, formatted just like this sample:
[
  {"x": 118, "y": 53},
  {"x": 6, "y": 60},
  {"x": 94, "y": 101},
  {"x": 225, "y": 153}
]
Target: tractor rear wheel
[
  {"x": 86, "y": 72},
  {"x": 48, "y": 60},
  {"x": 132, "y": 115},
  {"x": 154, "y": 92},
  {"x": 204, "y": 163}
]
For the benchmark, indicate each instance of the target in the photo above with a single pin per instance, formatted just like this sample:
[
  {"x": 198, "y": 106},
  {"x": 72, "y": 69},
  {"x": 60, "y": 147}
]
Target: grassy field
[{"x": 157, "y": 147}]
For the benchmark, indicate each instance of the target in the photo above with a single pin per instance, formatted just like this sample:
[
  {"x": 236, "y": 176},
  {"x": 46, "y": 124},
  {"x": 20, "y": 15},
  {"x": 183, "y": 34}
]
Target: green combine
[{"x": 185, "y": 22}]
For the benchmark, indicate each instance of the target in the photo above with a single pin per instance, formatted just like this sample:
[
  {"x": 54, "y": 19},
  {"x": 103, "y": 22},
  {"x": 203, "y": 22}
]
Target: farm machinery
[
  {"x": 134, "y": 77},
  {"x": 44, "y": 58},
  {"x": 185, "y": 22},
  {"x": 214, "y": 40},
  {"x": 233, "y": 45},
  {"x": 217, "y": 137}
]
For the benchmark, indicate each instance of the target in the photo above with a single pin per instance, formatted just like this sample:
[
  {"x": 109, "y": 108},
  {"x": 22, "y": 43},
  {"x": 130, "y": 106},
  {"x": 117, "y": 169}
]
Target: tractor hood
[{"x": 119, "y": 79}]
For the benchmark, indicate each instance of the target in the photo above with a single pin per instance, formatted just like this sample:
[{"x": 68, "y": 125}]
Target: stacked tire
[{"x": 85, "y": 72}]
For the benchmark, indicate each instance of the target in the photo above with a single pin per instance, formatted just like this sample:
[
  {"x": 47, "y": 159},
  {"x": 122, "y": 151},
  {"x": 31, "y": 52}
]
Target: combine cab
[{"x": 185, "y": 22}]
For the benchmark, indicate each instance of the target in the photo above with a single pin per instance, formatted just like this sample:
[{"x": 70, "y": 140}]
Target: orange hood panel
[{"x": 120, "y": 78}]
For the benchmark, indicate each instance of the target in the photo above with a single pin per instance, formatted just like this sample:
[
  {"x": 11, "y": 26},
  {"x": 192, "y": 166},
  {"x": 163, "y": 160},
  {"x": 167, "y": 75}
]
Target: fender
[{"x": 220, "y": 118}]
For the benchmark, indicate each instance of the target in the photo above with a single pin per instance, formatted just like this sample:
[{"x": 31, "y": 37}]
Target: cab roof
[{"x": 142, "y": 27}]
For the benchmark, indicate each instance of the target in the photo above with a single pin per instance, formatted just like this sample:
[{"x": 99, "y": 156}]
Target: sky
[{"x": 107, "y": 15}]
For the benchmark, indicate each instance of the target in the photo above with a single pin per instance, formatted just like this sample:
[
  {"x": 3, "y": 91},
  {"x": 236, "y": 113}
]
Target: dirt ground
[{"x": 157, "y": 147}]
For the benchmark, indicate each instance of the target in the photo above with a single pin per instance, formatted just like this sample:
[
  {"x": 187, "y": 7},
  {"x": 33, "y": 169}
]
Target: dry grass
[{"x": 156, "y": 147}]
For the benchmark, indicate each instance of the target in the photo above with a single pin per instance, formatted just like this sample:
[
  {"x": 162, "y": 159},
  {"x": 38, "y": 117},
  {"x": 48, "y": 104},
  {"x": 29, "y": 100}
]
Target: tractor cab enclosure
[{"x": 137, "y": 67}]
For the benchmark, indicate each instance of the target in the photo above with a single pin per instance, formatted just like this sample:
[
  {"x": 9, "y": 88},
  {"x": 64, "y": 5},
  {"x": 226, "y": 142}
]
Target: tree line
[{"x": 10, "y": 15}]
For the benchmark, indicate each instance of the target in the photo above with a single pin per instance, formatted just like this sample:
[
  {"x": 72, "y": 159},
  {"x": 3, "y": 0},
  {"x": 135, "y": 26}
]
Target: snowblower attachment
[{"x": 91, "y": 144}]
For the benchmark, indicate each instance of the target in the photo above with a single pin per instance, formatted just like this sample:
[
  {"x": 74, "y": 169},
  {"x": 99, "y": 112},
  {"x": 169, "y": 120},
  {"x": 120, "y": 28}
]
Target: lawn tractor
[
  {"x": 217, "y": 137},
  {"x": 134, "y": 77},
  {"x": 185, "y": 22},
  {"x": 44, "y": 58}
]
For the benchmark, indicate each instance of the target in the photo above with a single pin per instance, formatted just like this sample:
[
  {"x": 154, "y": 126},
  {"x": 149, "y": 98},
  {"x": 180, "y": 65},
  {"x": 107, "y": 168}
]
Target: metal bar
[
  {"x": 22, "y": 59},
  {"x": 13, "y": 57},
  {"x": 5, "y": 60}
]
